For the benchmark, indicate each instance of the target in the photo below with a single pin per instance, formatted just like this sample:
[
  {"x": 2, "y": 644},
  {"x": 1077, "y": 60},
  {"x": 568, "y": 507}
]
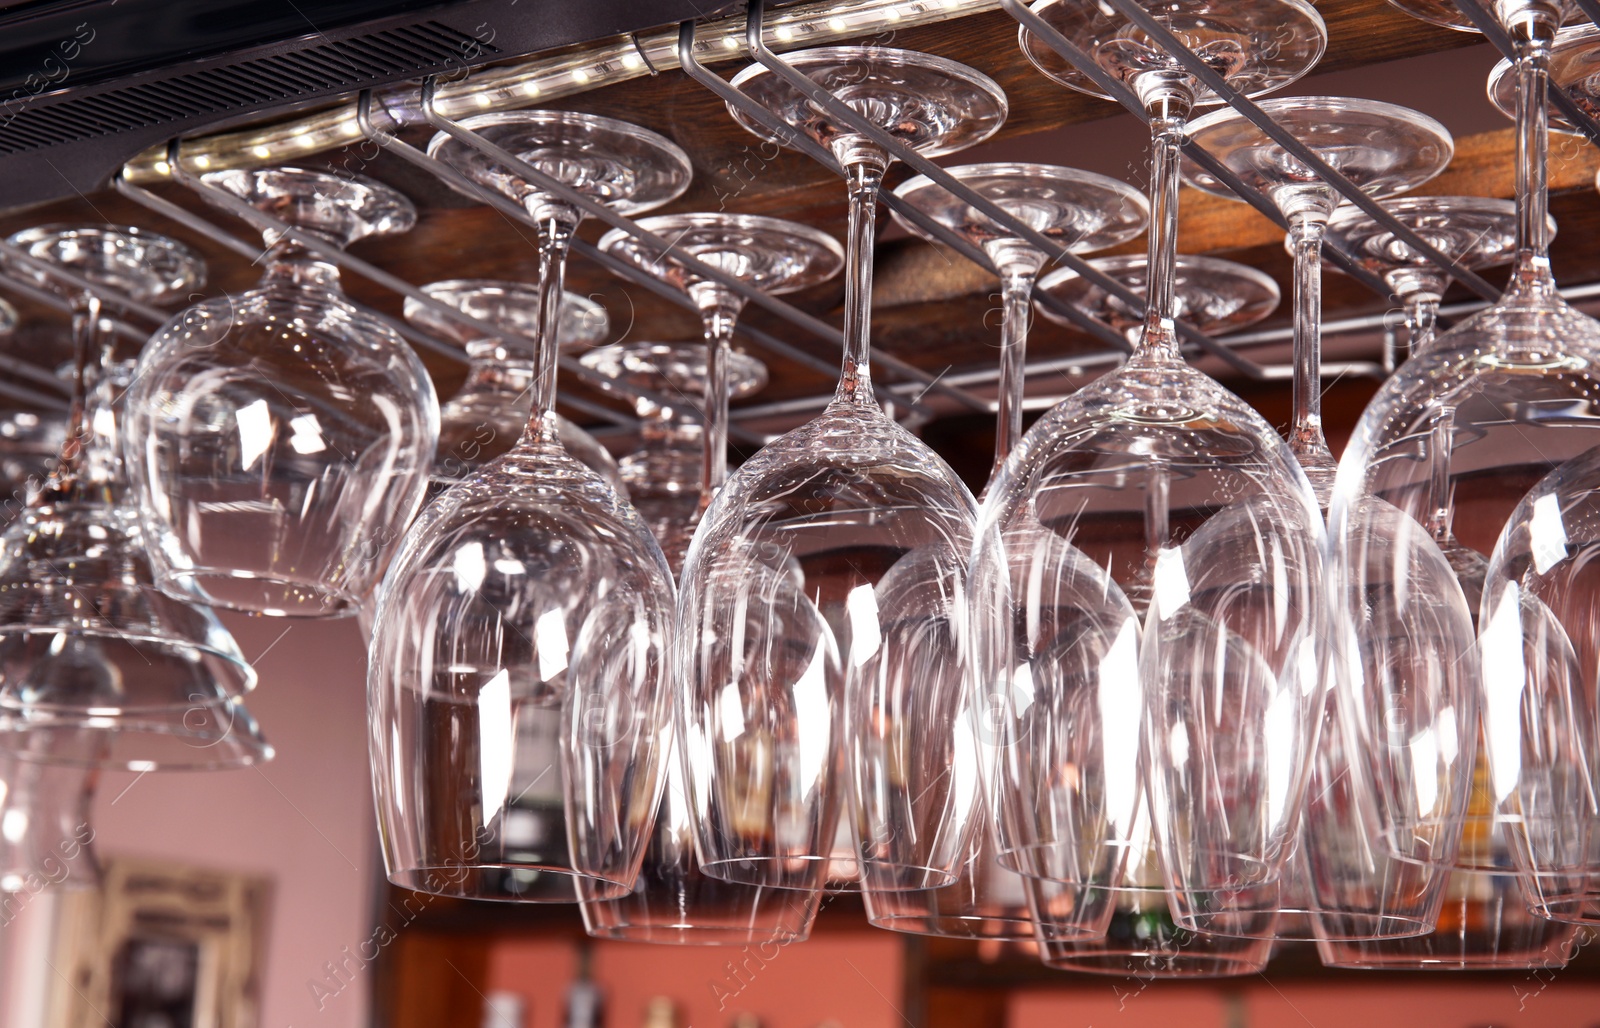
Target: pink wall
[{"x": 305, "y": 819}]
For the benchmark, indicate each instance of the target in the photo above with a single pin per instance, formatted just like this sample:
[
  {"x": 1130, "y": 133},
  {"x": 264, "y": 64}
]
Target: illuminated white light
[
  {"x": 531, "y": 89},
  {"x": 141, "y": 765},
  {"x": 1022, "y": 690},
  {"x": 730, "y": 43},
  {"x": 1178, "y": 744},
  {"x": 893, "y": 14},
  {"x": 202, "y": 162},
  {"x": 105, "y": 423},
  {"x": 632, "y": 62},
  {"x": 1171, "y": 582},
  {"x": 496, "y": 742},
  {"x": 256, "y": 432},
  {"x": 1547, "y": 536},
  {"x": 482, "y": 100},
  {"x": 837, "y": 24},
  {"x": 580, "y": 76},
  {"x": 1449, "y": 732},
  {"x": 508, "y": 566},
  {"x": 1424, "y": 749},
  {"x": 262, "y": 151},
  {"x": 862, "y": 608},
  {"x": 784, "y": 33},
  {"x": 1121, "y": 701},
  {"x": 1504, "y": 679},
  {"x": 469, "y": 567},
  {"x": 550, "y": 636},
  {"x": 814, "y": 718},
  {"x": 1283, "y": 743},
  {"x": 304, "y": 140},
  {"x": 163, "y": 168},
  {"x": 14, "y": 825},
  {"x": 730, "y": 713},
  {"x": 307, "y": 438}
]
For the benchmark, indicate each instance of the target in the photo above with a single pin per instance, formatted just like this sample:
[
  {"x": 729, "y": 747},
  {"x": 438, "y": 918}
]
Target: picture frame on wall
[{"x": 162, "y": 945}]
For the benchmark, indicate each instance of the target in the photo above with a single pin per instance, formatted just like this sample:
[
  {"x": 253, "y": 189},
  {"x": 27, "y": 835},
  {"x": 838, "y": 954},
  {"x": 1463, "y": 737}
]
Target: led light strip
[{"x": 508, "y": 87}]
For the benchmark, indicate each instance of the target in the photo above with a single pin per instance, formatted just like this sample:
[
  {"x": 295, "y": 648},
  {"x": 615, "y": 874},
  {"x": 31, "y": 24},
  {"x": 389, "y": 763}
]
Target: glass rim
[
  {"x": 1122, "y": 262},
  {"x": 894, "y": 56},
  {"x": 617, "y": 238},
  {"x": 1205, "y": 97}
]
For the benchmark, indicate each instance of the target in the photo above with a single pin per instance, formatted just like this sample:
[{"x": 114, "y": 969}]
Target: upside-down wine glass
[
  {"x": 1216, "y": 297},
  {"x": 818, "y": 620},
  {"x": 487, "y": 414},
  {"x": 1484, "y": 921},
  {"x": 675, "y": 478},
  {"x": 1081, "y": 212},
  {"x": 769, "y": 254},
  {"x": 1454, "y": 440},
  {"x": 517, "y": 674},
  {"x": 280, "y": 441},
  {"x": 1340, "y": 874},
  {"x": 1474, "y": 231},
  {"x": 672, "y": 901},
  {"x": 1157, "y": 479},
  {"x": 98, "y": 666}
]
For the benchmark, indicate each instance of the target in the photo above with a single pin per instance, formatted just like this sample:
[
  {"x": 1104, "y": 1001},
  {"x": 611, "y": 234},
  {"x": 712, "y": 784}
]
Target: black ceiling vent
[
  {"x": 292, "y": 77},
  {"x": 87, "y": 84}
]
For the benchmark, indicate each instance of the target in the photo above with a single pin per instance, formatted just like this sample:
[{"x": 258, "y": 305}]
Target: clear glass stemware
[
  {"x": 1455, "y": 440},
  {"x": 280, "y": 441},
  {"x": 1381, "y": 148},
  {"x": 517, "y": 673},
  {"x": 819, "y": 611},
  {"x": 673, "y": 901},
  {"x": 1081, "y": 212},
  {"x": 1155, "y": 478}
]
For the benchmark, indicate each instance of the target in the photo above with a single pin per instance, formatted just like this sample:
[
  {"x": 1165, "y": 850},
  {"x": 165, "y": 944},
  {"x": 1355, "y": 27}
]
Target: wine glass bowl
[{"x": 280, "y": 440}]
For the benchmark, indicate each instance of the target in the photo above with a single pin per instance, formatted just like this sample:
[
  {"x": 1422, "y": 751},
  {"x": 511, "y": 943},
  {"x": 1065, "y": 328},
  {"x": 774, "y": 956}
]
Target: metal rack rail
[{"x": 400, "y": 111}]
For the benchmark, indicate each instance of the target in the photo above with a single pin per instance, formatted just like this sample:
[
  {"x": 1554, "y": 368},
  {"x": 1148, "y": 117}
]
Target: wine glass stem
[
  {"x": 864, "y": 175},
  {"x": 1016, "y": 292},
  {"x": 555, "y": 238},
  {"x": 1306, "y": 439},
  {"x": 1167, "y": 120},
  {"x": 1441, "y": 435},
  {"x": 1533, "y": 137},
  {"x": 719, "y": 313},
  {"x": 1422, "y": 315},
  {"x": 88, "y": 342}
]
